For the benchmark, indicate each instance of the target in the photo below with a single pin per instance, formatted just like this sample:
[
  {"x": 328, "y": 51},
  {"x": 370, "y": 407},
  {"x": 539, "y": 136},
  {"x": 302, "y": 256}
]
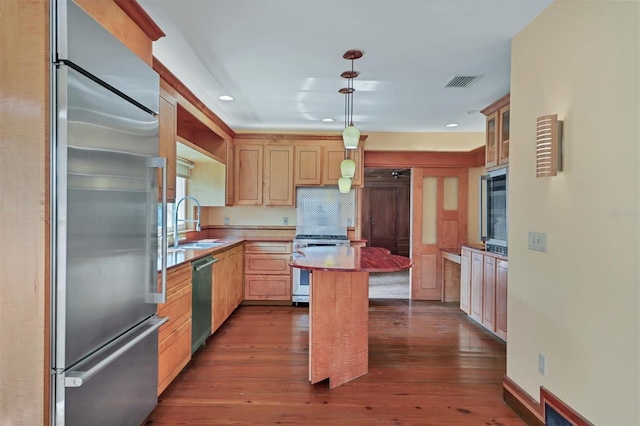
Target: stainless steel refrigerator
[{"x": 104, "y": 163}]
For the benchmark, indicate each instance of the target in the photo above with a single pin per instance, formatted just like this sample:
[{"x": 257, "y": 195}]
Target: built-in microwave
[{"x": 493, "y": 210}]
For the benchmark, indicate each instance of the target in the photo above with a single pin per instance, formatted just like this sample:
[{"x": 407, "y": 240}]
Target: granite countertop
[
  {"x": 180, "y": 256},
  {"x": 350, "y": 259}
]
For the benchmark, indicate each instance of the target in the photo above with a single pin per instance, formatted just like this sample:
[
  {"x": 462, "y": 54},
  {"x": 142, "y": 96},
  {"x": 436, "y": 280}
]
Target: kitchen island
[{"x": 339, "y": 307}]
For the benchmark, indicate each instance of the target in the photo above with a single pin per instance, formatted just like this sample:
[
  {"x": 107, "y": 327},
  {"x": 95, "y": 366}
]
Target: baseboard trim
[
  {"x": 532, "y": 411},
  {"x": 522, "y": 403}
]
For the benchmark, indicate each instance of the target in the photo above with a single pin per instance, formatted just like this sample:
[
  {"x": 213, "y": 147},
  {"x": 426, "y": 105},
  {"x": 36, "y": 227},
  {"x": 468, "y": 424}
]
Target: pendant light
[
  {"x": 347, "y": 166},
  {"x": 344, "y": 185},
  {"x": 350, "y": 134}
]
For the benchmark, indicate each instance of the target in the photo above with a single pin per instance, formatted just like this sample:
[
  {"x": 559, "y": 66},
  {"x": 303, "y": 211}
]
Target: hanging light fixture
[
  {"x": 344, "y": 185},
  {"x": 350, "y": 134}
]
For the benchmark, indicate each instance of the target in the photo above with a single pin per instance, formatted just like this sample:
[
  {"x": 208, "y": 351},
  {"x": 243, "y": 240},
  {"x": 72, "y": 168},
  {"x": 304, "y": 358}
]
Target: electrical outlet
[
  {"x": 350, "y": 221},
  {"x": 226, "y": 220},
  {"x": 537, "y": 241},
  {"x": 285, "y": 220},
  {"x": 542, "y": 364}
]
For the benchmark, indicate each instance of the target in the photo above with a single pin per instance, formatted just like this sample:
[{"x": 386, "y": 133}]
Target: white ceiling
[{"x": 282, "y": 59}]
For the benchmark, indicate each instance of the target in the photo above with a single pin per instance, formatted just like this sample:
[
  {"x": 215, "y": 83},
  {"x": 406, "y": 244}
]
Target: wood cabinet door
[
  {"x": 308, "y": 165},
  {"x": 489, "y": 293},
  {"x": 278, "y": 175},
  {"x": 230, "y": 194},
  {"x": 503, "y": 135},
  {"x": 167, "y": 140},
  {"x": 491, "y": 148},
  {"x": 247, "y": 174},
  {"x": 382, "y": 218},
  {"x": 501, "y": 298},
  {"x": 465, "y": 281},
  {"x": 219, "y": 294},
  {"x": 477, "y": 266},
  {"x": 333, "y": 156}
]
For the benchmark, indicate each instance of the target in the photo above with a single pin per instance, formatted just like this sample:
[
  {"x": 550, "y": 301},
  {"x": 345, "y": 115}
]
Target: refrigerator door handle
[
  {"x": 161, "y": 163},
  {"x": 75, "y": 379},
  {"x": 482, "y": 191}
]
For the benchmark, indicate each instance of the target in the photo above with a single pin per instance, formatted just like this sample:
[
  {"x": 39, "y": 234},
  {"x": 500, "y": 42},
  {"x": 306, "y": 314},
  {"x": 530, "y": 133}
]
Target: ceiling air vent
[{"x": 462, "y": 80}]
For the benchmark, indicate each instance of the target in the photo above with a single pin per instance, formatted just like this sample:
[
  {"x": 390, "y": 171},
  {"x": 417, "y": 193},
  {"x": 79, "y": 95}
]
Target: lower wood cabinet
[
  {"x": 483, "y": 289},
  {"x": 267, "y": 271},
  {"x": 174, "y": 336},
  {"x": 227, "y": 285},
  {"x": 465, "y": 281}
]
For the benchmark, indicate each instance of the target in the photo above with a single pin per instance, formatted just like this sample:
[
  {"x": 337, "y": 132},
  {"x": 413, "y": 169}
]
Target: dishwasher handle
[{"x": 200, "y": 266}]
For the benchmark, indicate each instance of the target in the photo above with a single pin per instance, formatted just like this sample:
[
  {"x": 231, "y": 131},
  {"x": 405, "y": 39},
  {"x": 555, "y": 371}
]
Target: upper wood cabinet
[
  {"x": 247, "y": 174},
  {"x": 268, "y": 167},
  {"x": 497, "y": 142},
  {"x": 308, "y": 165},
  {"x": 167, "y": 138},
  {"x": 278, "y": 175},
  {"x": 503, "y": 135},
  {"x": 333, "y": 156}
]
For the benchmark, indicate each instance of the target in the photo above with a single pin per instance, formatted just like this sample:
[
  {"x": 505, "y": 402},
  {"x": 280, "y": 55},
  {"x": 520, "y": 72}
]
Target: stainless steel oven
[
  {"x": 300, "y": 291},
  {"x": 493, "y": 210}
]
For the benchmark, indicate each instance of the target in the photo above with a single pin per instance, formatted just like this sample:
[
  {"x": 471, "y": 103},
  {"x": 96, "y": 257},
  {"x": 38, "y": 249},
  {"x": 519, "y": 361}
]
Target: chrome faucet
[{"x": 175, "y": 219}]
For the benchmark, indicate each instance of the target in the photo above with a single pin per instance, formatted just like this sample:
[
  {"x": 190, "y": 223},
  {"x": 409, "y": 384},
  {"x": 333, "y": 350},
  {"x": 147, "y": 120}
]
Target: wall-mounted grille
[
  {"x": 548, "y": 146},
  {"x": 462, "y": 80}
]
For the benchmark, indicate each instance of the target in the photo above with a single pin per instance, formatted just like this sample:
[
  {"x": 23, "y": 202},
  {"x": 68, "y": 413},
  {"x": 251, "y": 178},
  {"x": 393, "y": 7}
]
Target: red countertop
[{"x": 350, "y": 259}]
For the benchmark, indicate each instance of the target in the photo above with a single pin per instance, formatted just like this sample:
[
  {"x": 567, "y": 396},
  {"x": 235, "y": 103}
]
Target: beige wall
[
  {"x": 241, "y": 215},
  {"x": 473, "y": 233},
  {"x": 436, "y": 141},
  {"x": 24, "y": 129},
  {"x": 395, "y": 141},
  {"x": 578, "y": 303}
]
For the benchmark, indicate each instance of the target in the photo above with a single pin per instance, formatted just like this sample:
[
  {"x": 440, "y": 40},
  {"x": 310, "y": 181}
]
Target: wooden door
[
  {"x": 247, "y": 173},
  {"x": 219, "y": 292},
  {"x": 278, "y": 175},
  {"x": 382, "y": 218},
  {"x": 489, "y": 293},
  {"x": 230, "y": 178},
  {"x": 439, "y": 221},
  {"x": 501, "y": 298},
  {"x": 465, "y": 281},
  {"x": 477, "y": 265}
]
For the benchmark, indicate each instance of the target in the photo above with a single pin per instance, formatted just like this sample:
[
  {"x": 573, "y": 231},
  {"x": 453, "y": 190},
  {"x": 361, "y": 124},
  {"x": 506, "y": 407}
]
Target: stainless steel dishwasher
[{"x": 202, "y": 277}]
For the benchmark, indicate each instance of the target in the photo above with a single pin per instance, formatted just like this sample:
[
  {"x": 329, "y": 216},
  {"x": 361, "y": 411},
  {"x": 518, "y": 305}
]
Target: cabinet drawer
[
  {"x": 177, "y": 278},
  {"x": 173, "y": 359},
  {"x": 267, "y": 287},
  {"x": 178, "y": 309},
  {"x": 264, "y": 264},
  {"x": 265, "y": 247}
]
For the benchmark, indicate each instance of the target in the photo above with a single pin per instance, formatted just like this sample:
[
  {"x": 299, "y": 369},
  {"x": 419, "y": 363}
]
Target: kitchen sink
[{"x": 200, "y": 246}]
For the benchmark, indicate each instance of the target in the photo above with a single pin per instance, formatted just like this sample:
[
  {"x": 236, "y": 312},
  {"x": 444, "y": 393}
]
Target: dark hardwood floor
[{"x": 428, "y": 365}]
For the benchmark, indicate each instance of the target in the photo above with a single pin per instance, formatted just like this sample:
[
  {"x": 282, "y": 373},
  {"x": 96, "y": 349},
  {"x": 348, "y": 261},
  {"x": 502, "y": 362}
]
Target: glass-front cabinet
[
  {"x": 491, "y": 152},
  {"x": 497, "y": 133},
  {"x": 503, "y": 136}
]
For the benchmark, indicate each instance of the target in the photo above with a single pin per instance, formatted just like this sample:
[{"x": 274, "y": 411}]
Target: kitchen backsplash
[{"x": 325, "y": 207}]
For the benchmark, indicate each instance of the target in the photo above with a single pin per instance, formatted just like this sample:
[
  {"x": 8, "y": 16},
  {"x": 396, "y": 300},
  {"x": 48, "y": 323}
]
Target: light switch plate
[
  {"x": 226, "y": 220},
  {"x": 537, "y": 241},
  {"x": 285, "y": 220}
]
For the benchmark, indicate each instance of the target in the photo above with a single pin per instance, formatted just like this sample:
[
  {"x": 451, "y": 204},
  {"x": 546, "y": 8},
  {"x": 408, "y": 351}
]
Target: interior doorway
[{"x": 386, "y": 222}]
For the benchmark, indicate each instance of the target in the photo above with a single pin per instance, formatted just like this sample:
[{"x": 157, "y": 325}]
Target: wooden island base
[{"x": 338, "y": 326}]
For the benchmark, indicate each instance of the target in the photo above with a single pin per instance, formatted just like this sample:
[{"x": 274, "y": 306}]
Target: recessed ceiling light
[
  {"x": 225, "y": 98},
  {"x": 452, "y": 125},
  {"x": 328, "y": 120}
]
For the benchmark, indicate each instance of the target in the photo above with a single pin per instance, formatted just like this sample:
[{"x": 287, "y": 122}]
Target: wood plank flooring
[{"x": 428, "y": 365}]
